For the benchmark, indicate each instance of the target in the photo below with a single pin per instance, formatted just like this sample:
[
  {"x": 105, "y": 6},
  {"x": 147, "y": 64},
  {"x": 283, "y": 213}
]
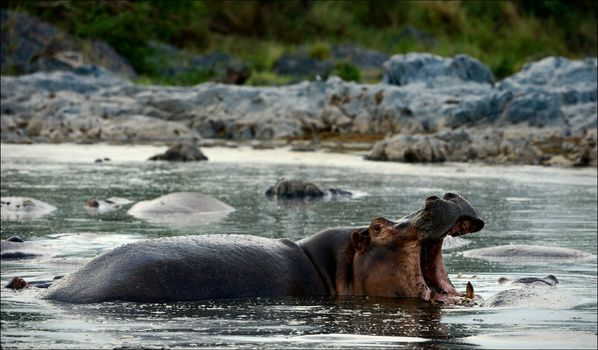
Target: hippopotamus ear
[
  {"x": 360, "y": 239},
  {"x": 466, "y": 224}
]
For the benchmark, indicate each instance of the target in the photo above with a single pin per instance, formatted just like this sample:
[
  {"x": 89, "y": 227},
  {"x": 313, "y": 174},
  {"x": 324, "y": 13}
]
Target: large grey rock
[
  {"x": 299, "y": 189},
  {"x": 181, "y": 152},
  {"x": 82, "y": 80},
  {"x": 487, "y": 108},
  {"x": 410, "y": 149},
  {"x": 294, "y": 188},
  {"x": 88, "y": 104},
  {"x": 536, "y": 109},
  {"x": 140, "y": 128},
  {"x": 556, "y": 74},
  {"x": 30, "y": 45},
  {"x": 554, "y": 90},
  {"x": 434, "y": 70}
]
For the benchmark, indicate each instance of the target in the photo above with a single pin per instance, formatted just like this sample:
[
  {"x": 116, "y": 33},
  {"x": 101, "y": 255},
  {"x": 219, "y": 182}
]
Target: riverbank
[
  {"x": 429, "y": 109},
  {"x": 117, "y": 156}
]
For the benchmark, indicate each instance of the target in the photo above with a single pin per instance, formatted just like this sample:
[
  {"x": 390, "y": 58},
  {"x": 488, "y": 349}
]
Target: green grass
[
  {"x": 347, "y": 71},
  {"x": 266, "y": 78},
  {"x": 502, "y": 34},
  {"x": 183, "y": 79}
]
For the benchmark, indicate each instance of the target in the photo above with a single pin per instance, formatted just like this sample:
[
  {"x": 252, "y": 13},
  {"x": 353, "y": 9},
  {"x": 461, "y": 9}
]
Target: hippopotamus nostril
[
  {"x": 92, "y": 203},
  {"x": 449, "y": 195},
  {"x": 432, "y": 198}
]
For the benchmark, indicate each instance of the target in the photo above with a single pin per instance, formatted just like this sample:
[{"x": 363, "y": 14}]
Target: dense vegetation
[{"x": 502, "y": 34}]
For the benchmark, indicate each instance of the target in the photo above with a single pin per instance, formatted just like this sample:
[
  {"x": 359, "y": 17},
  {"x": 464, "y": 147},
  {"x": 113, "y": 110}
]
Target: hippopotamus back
[
  {"x": 181, "y": 209},
  {"x": 192, "y": 268},
  {"x": 24, "y": 208}
]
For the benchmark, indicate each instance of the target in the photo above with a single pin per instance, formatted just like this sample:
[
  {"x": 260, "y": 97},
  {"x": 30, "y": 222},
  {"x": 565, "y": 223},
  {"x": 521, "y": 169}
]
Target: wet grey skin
[
  {"x": 15, "y": 247},
  {"x": 549, "y": 280},
  {"x": 334, "y": 262}
]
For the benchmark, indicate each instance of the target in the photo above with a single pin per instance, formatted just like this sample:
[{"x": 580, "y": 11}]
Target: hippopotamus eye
[{"x": 376, "y": 228}]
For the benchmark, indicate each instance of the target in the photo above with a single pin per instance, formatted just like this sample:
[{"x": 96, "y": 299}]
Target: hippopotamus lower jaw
[
  {"x": 434, "y": 272},
  {"x": 452, "y": 215},
  {"x": 421, "y": 270}
]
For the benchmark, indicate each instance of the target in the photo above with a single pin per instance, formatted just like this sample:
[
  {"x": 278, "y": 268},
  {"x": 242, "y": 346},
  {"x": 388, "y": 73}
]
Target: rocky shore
[{"x": 427, "y": 109}]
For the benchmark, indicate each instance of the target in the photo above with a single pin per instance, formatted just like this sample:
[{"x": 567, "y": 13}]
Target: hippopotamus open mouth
[
  {"x": 404, "y": 258},
  {"x": 453, "y": 215}
]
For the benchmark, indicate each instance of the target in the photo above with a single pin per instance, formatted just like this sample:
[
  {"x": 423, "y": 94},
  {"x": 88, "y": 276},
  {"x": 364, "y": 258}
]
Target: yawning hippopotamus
[{"x": 388, "y": 258}]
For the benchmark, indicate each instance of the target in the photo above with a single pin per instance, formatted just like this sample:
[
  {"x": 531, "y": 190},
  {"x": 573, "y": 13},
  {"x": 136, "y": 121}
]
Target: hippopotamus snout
[{"x": 451, "y": 214}]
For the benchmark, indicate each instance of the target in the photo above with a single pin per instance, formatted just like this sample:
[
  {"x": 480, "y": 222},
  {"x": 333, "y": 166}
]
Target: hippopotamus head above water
[
  {"x": 388, "y": 258},
  {"x": 404, "y": 257}
]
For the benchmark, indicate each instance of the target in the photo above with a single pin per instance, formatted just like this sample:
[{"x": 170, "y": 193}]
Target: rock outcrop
[
  {"x": 433, "y": 70},
  {"x": 294, "y": 188},
  {"x": 448, "y": 109},
  {"x": 31, "y": 45}
]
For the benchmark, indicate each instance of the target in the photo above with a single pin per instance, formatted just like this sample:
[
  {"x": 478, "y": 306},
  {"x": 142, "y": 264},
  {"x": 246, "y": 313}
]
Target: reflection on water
[{"x": 521, "y": 205}]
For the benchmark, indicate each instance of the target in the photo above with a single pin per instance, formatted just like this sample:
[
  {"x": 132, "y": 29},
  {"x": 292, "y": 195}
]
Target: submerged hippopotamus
[
  {"x": 530, "y": 292},
  {"x": 549, "y": 280},
  {"x": 101, "y": 206},
  {"x": 519, "y": 253},
  {"x": 388, "y": 258},
  {"x": 181, "y": 209},
  {"x": 24, "y": 208},
  {"x": 15, "y": 247},
  {"x": 18, "y": 283}
]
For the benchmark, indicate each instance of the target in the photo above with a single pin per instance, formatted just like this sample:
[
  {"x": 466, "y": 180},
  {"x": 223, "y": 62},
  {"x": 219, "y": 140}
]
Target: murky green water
[{"x": 521, "y": 205}]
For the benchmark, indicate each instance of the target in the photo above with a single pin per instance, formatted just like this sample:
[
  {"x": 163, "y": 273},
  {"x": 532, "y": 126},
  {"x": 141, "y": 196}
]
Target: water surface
[{"x": 520, "y": 204}]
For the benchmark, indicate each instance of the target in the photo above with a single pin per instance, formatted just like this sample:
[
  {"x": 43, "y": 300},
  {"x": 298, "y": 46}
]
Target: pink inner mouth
[{"x": 433, "y": 271}]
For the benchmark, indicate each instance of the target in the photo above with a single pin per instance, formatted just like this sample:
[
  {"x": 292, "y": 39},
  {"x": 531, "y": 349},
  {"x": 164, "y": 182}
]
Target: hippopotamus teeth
[{"x": 469, "y": 291}]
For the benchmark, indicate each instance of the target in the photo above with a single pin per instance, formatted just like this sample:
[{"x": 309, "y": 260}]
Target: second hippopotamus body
[{"x": 388, "y": 258}]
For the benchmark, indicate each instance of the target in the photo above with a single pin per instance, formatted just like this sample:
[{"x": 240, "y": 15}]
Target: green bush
[
  {"x": 502, "y": 34},
  {"x": 181, "y": 79},
  {"x": 347, "y": 71},
  {"x": 265, "y": 78},
  {"x": 320, "y": 51}
]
